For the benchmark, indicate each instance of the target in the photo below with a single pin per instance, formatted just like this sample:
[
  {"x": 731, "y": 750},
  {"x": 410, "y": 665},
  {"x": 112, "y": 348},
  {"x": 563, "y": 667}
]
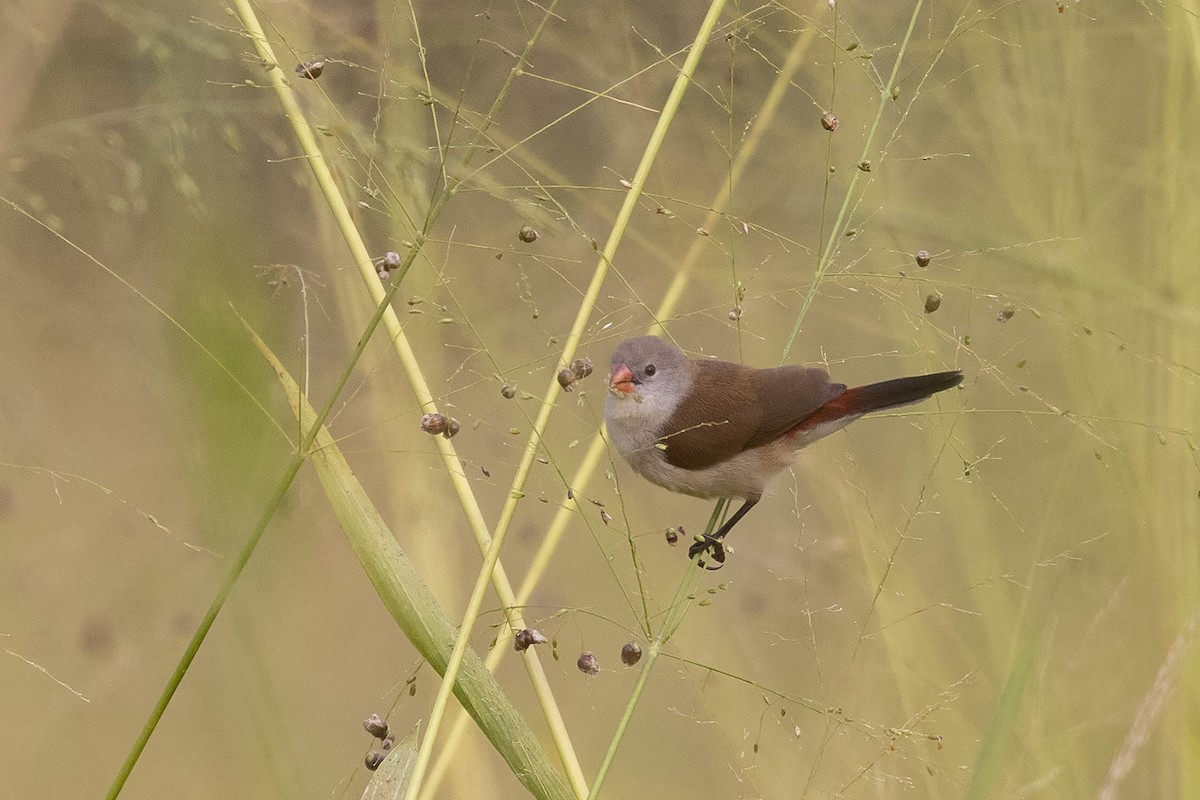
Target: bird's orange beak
[{"x": 621, "y": 379}]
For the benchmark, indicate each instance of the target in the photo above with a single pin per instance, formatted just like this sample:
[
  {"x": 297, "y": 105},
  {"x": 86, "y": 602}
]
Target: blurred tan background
[{"x": 1012, "y": 568}]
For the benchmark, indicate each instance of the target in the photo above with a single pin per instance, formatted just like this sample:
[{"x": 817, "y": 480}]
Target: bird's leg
[{"x": 713, "y": 542}]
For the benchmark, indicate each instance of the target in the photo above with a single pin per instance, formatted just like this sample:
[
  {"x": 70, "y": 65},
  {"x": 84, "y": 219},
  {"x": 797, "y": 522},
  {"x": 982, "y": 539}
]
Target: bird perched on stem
[{"x": 715, "y": 429}]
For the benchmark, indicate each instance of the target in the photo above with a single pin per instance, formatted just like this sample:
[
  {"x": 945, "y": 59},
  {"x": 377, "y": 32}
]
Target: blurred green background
[{"x": 1012, "y": 568}]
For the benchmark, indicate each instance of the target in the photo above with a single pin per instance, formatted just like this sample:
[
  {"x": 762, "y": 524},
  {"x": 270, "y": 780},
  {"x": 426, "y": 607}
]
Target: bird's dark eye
[{"x": 649, "y": 370}]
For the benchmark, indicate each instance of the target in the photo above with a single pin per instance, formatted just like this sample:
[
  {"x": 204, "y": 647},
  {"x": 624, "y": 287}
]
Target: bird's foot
[{"x": 705, "y": 544}]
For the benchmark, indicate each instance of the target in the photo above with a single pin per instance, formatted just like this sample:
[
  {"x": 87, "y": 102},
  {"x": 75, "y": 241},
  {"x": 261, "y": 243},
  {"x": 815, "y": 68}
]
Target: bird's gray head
[{"x": 648, "y": 369}]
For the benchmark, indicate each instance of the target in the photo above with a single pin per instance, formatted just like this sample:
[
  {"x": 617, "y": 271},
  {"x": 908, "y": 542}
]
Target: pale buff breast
[{"x": 744, "y": 475}]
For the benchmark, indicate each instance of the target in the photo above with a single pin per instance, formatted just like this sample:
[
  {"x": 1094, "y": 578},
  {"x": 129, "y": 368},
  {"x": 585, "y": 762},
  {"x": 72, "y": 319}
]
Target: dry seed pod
[
  {"x": 829, "y": 122},
  {"x": 605, "y": 517},
  {"x": 527, "y": 637},
  {"x": 922, "y": 258},
  {"x": 582, "y": 367},
  {"x": 528, "y": 235},
  {"x": 588, "y": 664},
  {"x": 434, "y": 423},
  {"x": 566, "y": 379},
  {"x": 932, "y": 303},
  {"x": 310, "y": 69},
  {"x": 376, "y": 726},
  {"x": 631, "y": 653}
]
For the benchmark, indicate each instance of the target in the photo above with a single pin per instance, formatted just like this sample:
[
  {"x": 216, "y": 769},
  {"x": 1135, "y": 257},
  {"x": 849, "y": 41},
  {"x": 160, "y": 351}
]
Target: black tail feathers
[{"x": 902, "y": 391}]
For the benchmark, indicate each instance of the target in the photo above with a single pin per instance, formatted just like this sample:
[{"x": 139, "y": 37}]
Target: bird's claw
[{"x": 702, "y": 547}]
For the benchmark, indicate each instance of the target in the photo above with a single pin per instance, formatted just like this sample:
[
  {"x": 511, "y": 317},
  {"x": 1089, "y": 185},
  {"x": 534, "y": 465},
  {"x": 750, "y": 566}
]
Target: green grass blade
[
  {"x": 391, "y": 779},
  {"x": 416, "y": 610},
  {"x": 989, "y": 764}
]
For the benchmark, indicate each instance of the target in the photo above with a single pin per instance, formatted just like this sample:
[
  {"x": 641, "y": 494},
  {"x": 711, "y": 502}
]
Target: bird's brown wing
[
  {"x": 786, "y": 395},
  {"x": 700, "y": 433},
  {"x": 770, "y": 402}
]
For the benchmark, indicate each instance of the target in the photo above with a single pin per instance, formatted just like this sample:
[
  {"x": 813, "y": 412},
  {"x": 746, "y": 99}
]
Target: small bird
[{"x": 715, "y": 429}]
